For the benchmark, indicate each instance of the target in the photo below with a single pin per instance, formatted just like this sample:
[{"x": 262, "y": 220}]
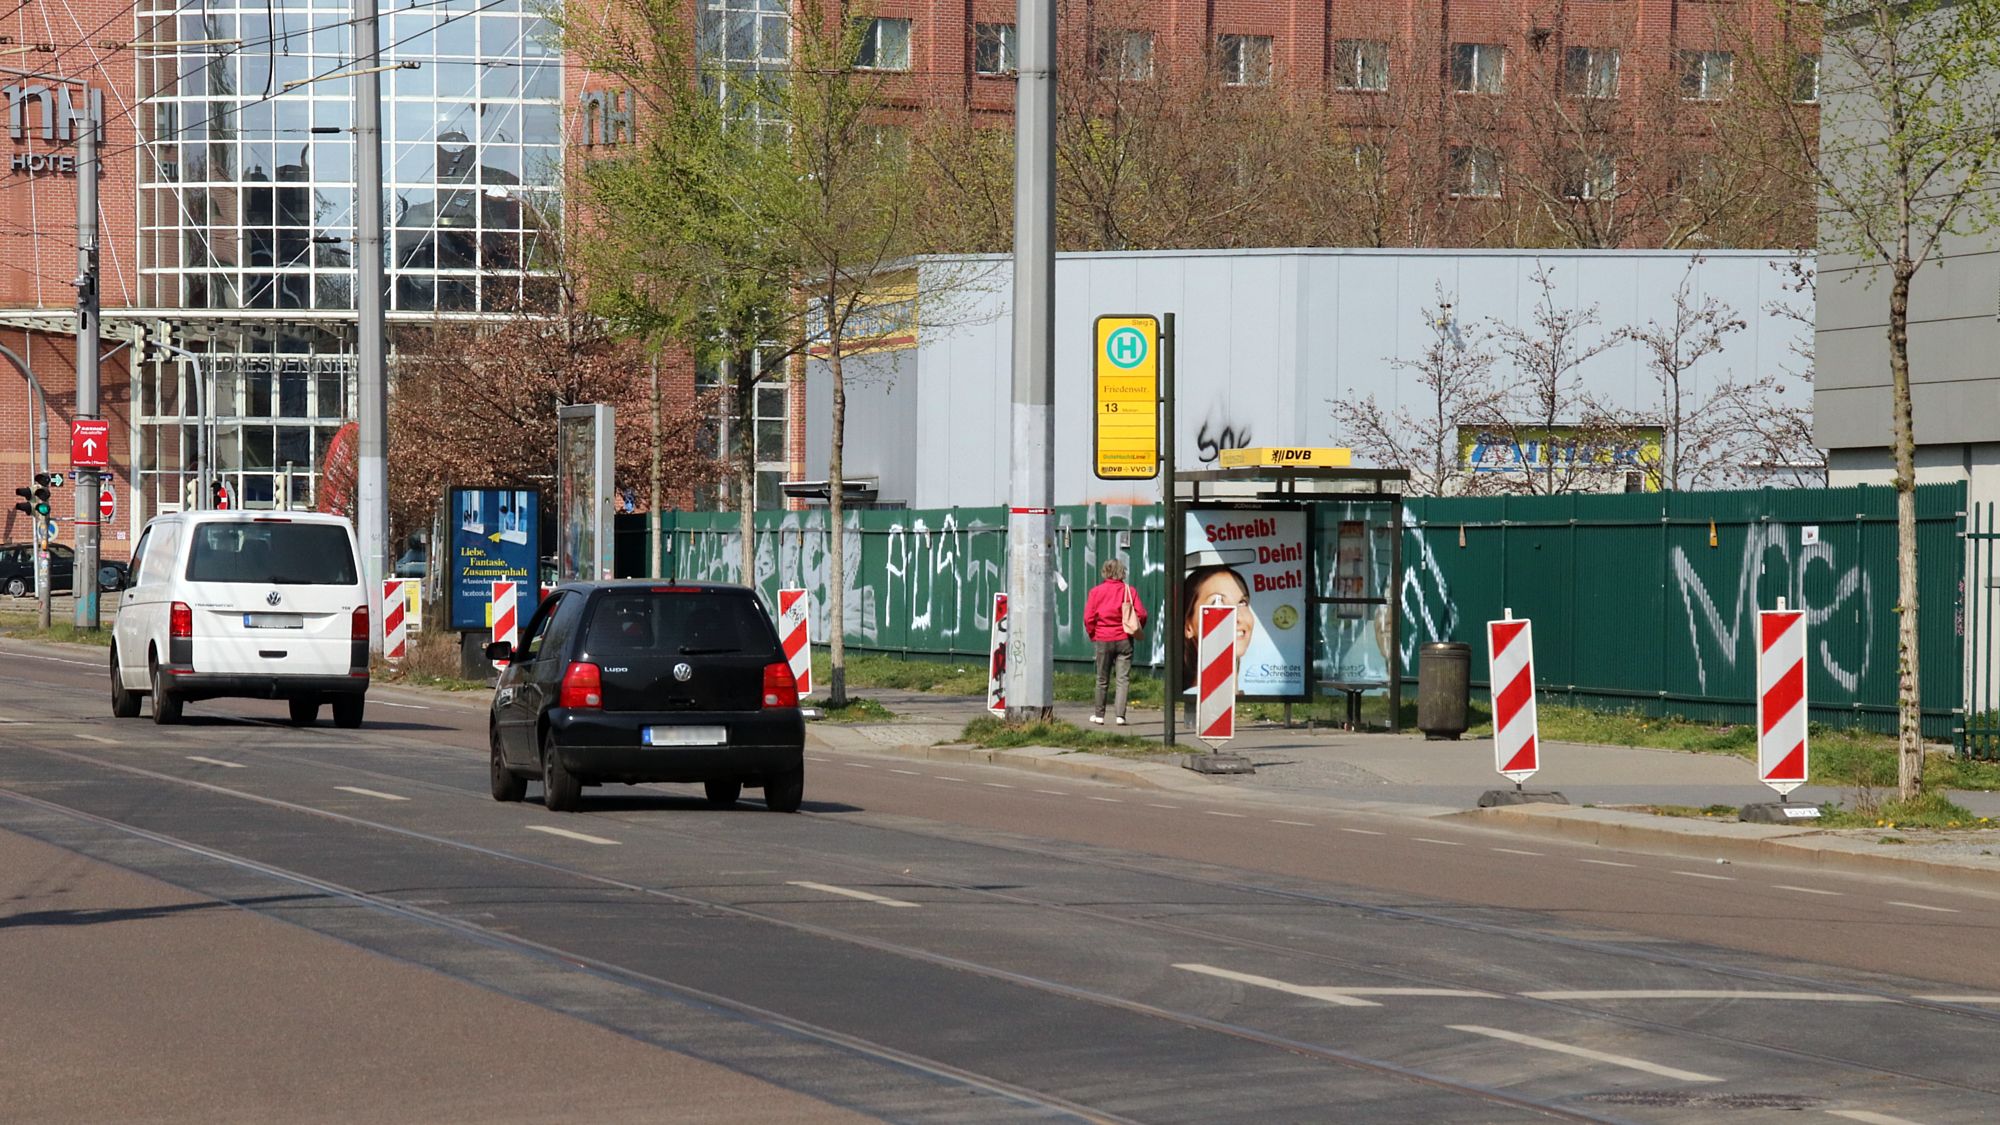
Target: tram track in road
[
  {"x": 880, "y": 875},
  {"x": 673, "y": 990}
]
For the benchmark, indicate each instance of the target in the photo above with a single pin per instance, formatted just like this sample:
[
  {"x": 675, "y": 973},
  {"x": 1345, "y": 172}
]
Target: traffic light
[
  {"x": 26, "y": 501},
  {"x": 37, "y": 498}
]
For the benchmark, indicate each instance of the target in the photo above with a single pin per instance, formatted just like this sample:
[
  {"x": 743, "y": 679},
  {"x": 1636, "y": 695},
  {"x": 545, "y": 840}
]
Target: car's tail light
[
  {"x": 582, "y": 686},
  {"x": 180, "y": 622},
  {"x": 360, "y": 632},
  {"x": 781, "y": 689}
]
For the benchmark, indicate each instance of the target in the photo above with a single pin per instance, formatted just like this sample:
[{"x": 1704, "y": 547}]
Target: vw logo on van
[
  {"x": 683, "y": 672},
  {"x": 273, "y": 598}
]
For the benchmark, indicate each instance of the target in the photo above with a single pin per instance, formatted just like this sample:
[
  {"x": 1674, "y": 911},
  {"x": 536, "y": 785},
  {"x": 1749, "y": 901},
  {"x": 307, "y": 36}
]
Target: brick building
[{"x": 226, "y": 220}]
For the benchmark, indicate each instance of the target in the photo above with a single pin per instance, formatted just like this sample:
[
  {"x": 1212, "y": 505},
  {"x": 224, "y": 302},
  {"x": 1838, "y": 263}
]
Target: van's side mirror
[{"x": 500, "y": 650}]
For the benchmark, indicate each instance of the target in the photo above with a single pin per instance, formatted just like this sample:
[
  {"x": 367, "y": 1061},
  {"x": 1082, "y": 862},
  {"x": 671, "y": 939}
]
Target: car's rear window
[
  {"x": 279, "y": 554},
  {"x": 669, "y": 623}
]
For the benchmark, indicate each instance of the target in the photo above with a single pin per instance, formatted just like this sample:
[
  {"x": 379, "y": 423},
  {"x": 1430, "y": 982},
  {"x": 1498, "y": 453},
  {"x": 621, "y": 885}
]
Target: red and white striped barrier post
[
  {"x": 795, "y": 633},
  {"x": 1510, "y": 650},
  {"x": 1215, "y": 699},
  {"x": 395, "y": 619},
  {"x": 996, "y": 660},
  {"x": 506, "y": 616},
  {"x": 1781, "y": 698}
]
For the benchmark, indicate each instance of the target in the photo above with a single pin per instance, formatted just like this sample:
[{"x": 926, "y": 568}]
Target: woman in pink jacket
[{"x": 1104, "y": 621}]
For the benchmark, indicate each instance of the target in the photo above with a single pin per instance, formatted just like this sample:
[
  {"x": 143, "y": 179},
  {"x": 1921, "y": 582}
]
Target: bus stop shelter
[{"x": 1313, "y": 553}]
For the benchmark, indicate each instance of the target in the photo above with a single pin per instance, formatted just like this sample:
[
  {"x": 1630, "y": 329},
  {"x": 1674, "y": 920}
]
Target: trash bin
[{"x": 1444, "y": 688}]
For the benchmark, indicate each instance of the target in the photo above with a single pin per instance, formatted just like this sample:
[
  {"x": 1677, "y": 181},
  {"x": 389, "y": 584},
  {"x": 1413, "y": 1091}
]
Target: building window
[
  {"x": 1478, "y": 68},
  {"x": 1369, "y": 159},
  {"x": 993, "y": 49},
  {"x": 1707, "y": 75},
  {"x": 1805, "y": 79},
  {"x": 1361, "y": 64},
  {"x": 1590, "y": 176},
  {"x": 885, "y": 45},
  {"x": 1128, "y": 54},
  {"x": 1475, "y": 173},
  {"x": 1246, "y": 59},
  {"x": 1591, "y": 72}
]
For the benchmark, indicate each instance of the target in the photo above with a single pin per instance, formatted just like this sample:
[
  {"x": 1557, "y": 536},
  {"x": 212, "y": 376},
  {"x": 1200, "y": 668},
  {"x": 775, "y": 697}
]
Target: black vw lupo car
[{"x": 645, "y": 681}]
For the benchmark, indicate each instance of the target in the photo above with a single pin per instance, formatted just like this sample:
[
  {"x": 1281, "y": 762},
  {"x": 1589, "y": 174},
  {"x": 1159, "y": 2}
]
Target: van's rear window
[
  {"x": 276, "y": 554},
  {"x": 676, "y": 623}
]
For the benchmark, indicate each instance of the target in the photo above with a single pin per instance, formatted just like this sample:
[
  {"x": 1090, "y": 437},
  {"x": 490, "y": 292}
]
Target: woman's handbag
[{"x": 1130, "y": 612}]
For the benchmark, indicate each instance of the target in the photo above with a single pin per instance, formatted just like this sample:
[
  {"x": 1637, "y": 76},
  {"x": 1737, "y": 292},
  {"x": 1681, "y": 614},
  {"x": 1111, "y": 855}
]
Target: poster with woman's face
[{"x": 1256, "y": 561}]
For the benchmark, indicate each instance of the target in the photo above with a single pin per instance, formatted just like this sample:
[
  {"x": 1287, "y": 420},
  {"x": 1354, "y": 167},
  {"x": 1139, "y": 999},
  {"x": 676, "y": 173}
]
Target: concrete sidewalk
[{"x": 1407, "y": 776}]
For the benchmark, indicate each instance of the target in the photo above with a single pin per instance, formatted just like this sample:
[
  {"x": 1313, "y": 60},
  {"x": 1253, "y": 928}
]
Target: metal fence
[{"x": 1641, "y": 602}]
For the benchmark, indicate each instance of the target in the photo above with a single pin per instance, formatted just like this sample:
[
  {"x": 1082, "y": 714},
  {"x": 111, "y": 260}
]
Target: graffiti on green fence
[{"x": 1848, "y": 666}]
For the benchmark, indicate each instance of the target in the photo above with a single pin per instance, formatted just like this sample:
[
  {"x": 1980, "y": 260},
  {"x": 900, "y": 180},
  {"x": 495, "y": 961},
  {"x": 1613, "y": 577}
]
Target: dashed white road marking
[
  {"x": 1294, "y": 823},
  {"x": 1212, "y": 812},
  {"x": 1052, "y": 792},
  {"x": 1803, "y": 890},
  {"x": 1586, "y": 1053},
  {"x": 1950, "y": 998},
  {"x": 568, "y": 835},
  {"x": 858, "y": 765},
  {"x": 1445, "y": 843},
  {"x": 1607, "y": 863},
  {"x": 369, "y": 792},
  {"x": 1158, "y": 806},
  {"x": 1364, "y": 832},
  {"x": 1869, "y": 1117},
  {"x": 215, "y": 762},
  {"x": 11, "y": 654},
  {"x": 1921, "y": 906},
  {"x": 851, "y": 893},
  {"x": 810, "y": 758},
  {"x": 948, "y": 777},
  {"x": 1516, "y": 851},
  {"x": 1343, "y": 997},
  {"x": 95, "y": 738},
  {"x": 404, "y": 706},
  {"x": 909, "y": 773},
  {"x": 995, "y": 785},
  {"x": 1704, "y": 875},
  {"x": 1108, "y": 800},
  {"x": 1708, "y": 994}
]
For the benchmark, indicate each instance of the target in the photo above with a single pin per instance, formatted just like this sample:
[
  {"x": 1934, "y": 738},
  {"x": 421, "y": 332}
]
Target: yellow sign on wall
[
  {"x": 1288, "y": 457},
  {"x": 1125, "y": 441}
]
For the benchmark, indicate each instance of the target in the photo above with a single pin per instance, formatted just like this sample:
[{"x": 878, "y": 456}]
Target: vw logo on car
[{"x": 683, "y": 672}]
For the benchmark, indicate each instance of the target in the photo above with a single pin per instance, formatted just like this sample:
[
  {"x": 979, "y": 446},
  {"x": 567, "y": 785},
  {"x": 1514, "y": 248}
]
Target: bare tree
[
  {"x": 1451, "y": 385},
  {"x": 1780, "y": 432},
  {"x": 1562, "y": 438},
  {"x": 1699, "y": 433}
]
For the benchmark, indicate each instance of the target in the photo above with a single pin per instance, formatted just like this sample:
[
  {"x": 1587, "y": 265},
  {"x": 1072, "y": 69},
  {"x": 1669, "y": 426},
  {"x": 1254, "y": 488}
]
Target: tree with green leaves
[{"x": 1901, "y": 150}]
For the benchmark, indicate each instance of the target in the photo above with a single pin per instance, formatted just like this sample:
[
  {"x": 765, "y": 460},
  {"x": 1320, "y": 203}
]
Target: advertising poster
[
  {"x": 1255, "y": 560},
  {"x": 495, "y": 537}
]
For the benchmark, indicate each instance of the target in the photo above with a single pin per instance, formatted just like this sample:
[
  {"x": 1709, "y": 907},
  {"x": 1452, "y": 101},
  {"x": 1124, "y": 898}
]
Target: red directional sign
[
  {"x": 107, "y": 503},
  {"x": 90, "y": 443}
]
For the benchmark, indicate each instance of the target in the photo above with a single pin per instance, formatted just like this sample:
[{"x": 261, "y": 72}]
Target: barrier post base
[
  {"x": 1218, "y": 762},
  {"x": 1520, "y": 796},
  {"x": 1778, "y": 812}
]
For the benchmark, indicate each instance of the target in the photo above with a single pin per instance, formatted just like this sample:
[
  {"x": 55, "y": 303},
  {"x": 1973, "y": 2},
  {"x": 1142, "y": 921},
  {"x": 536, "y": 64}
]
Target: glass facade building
[{"x": 246, "y": 210}]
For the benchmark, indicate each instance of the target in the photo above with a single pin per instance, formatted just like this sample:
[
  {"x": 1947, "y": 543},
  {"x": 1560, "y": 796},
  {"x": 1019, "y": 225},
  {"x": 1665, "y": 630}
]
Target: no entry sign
[
  {"x": 107, "y": 503},
  {"x": 1517, "y": 751},
  {"x": 1781, "y": 699}
]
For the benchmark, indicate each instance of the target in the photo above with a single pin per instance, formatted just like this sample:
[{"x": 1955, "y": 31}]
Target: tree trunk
[
  {"x": 836, "y": 554},
  {"x": 1903, "y": 446},
  {"x": 653, "y": 518},
  {"x": 745, "y": 390}
]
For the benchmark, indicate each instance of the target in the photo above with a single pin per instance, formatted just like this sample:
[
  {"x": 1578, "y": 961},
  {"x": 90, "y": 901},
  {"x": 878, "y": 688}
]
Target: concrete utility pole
[
  {"x": 83, "y": 571},
  {"x": 371, "y": 503},
  {"x": 1031, "y": 520}
]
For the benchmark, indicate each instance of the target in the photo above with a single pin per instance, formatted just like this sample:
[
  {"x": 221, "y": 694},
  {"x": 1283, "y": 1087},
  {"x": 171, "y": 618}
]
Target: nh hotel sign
[{"x": 33, "y": 108}]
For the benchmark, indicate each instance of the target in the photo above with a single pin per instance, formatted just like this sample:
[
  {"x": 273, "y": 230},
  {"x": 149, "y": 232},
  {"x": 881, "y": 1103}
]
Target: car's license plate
[
  {"x": 273, "y": 621},
  {"x": 687, "y": 736}
]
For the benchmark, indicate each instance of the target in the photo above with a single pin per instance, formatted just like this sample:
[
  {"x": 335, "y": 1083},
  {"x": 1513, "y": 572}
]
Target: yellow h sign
[{"x": 1126, "y": 434}]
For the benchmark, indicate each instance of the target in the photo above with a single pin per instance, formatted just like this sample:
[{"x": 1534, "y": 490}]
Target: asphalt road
[{"x": 234, "y": 919}]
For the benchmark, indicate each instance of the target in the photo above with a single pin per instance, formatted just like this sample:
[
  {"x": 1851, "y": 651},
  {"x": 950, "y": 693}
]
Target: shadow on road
[{"x": 87, "y": 917}]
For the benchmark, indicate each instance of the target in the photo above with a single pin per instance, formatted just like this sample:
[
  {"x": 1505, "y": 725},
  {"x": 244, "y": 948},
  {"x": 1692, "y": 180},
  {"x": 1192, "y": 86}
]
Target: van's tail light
[
  {"x": 781, "y": 689},
  {"x": 360, "y": 632},
  {"x": 180, "y": 622},
  {"x": 582, "y": 686}
]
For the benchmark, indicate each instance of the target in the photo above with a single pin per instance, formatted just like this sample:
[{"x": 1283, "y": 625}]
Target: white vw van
[{"x": 264, "y": 605}]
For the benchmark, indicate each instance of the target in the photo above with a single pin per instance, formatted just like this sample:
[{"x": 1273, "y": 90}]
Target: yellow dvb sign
[
  {"x": 1296, "y": 457},
  {"x": 1126, "y": 435}
]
